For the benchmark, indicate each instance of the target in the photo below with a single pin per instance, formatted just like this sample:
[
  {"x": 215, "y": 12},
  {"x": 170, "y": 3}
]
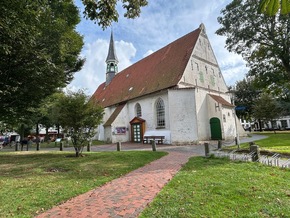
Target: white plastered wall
[{"x": 182, "y": 116}]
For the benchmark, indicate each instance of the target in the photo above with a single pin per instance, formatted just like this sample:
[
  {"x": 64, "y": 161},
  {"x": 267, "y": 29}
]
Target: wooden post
[
  {"x": 206, "y": 149},
  {"x": 119, "y": 145},
  {"x": 219, "y": 144},
  {"x": 256, "y": 152},
  {"x": 61, "y": 146},
  {"x": 153, "y": 143},
  {"x": 16, "y": 146}
]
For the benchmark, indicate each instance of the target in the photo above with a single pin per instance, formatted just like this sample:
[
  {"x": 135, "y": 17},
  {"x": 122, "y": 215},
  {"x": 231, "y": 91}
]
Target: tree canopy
[
  {"x": 79, "y": 117},
  {"x": 271, "y": 7},
  {"x": 39, "y": 51},
  {"x": 267, "y": 108},
  {"x": 245, "y": 96},
  {"x": 263, "y": 41},
  {"x": 105, "y": 12}
]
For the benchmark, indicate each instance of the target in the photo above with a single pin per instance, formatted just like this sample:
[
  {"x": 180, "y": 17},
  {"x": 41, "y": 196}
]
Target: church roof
[
  {"x": 161, "y": 70},
  {"x": 221, "y": 100}
]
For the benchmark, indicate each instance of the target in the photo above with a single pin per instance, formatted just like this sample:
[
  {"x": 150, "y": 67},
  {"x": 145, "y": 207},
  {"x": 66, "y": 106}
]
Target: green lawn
[
  {"x": 212, "y": 187},
  {"x": 279, "y": 143},
  {"x": 31, "y": 182}
]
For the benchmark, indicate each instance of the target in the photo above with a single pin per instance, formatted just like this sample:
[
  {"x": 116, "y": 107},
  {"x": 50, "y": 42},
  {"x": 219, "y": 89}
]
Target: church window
[
  {"x": 224, "y": 118},
  {"x": 197, "y": 67},
  {"x": 138, "y": 110},
  {"x": 206, "y": 69},
  {"x": 160, "y": 113}
]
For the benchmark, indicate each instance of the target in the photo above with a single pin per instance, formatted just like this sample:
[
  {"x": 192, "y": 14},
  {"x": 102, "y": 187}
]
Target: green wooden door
[
  {"x": 137, "y": 132},
  {"x": 215, "y": 128}
]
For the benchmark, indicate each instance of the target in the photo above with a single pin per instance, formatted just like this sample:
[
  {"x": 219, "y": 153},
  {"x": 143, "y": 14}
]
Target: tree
[
  {"x": 104, "y": 12},
  {"x": 245, "y": 96},
  {"x": 271, "y": 7},
  {"x": 263, "y": 41},
  {"x": 267, "y": 109},
  {"x": 39, "y": 51},
  {"x": 79, "y": 117}
]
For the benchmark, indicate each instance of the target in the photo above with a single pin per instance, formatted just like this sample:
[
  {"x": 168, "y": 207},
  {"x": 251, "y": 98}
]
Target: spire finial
[{"x": 112, "y": 52}]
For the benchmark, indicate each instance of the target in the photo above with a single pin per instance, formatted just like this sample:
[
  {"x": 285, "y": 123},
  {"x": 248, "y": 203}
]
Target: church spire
[{"x": 111, "y": 61}]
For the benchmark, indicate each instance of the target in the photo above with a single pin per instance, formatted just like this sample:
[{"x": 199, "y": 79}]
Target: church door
[
  {"x": 215, "y": 128},
  {"x": 137, "y": 129}
]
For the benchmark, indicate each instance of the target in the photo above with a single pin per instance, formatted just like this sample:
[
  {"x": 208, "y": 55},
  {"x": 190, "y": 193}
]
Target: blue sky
[{"x": 160, "y": 23}]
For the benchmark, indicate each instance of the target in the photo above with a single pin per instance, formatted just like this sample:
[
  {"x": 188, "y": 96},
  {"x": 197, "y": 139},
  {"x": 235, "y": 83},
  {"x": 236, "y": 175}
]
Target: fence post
[
  {"x": 61, "y": 146},
  {"x": 16, "y": 146},
  {"x": 119, "y": 146},
  {"x": 219, "y": 144},
  {"x": 153, "y": 143},
  {"x": 254, "y": 149},
  {"x": 206, "y": 149}
]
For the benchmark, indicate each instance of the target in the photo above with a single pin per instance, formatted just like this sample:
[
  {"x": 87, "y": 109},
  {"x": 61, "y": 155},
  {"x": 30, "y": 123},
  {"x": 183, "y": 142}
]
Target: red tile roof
[
  {"x": 221, "y": 100},
  {"x": 161, "y": 70}
]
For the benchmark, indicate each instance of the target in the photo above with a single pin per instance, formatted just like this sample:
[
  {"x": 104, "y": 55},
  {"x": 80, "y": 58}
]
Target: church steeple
[{"x": 111, "y": 61}]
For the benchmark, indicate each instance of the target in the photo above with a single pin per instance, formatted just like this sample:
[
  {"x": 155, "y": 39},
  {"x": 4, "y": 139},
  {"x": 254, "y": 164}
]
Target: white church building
[{"x": 177, "y": 92}]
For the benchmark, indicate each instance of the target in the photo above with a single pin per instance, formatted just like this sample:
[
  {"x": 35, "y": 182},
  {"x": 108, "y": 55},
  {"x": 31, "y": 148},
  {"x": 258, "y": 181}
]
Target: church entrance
[
  {"x": 136, "y": 132},
  {"x": 137, "y": 129},
  {"x": 215, "y": 128}
]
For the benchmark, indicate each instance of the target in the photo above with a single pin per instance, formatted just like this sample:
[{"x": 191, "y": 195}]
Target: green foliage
[
  {"x": 263, "y": 41},
  {"x": 104, "y": 12},
  {"x": 79, "y": 117},
  {"x": 245, "y": 95},
  {"x": 266, "y": 108},
  {"x": 31, "y": 182},
  {"x": 39, "y": 51},
  {"x": 211, "y": 187},
  {"x": 271, "y": 7}
]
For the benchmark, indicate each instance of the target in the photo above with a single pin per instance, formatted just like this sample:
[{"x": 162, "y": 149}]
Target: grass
[
  {"x": 31, "y": 182},
  {"x": 278, "y": 143},
  {"x": 212, "y": 187}
]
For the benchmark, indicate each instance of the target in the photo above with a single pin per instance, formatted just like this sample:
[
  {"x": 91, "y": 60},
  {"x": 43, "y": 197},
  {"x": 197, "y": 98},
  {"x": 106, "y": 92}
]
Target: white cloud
[
  {"x": 149, "y": 52},
  {"x": 94, "y": 70}
]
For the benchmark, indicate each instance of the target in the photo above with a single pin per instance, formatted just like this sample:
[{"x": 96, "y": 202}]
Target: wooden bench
[{"x": 157, "y": 139}]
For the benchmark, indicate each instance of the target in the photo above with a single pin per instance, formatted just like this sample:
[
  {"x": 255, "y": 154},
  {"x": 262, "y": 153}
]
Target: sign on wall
[{"x": 120, "y": 130}]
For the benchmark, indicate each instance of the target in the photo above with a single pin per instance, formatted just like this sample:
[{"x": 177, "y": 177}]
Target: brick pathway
[{"x": 126, "y": 196}]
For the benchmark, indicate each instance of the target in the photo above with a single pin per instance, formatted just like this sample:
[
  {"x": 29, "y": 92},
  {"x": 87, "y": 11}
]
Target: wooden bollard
[
  {"x": 206, "y": 149},
  {"x": 219, "y": 144},
  {"x": 153, "y": 143},
  {"x": 119, "y": 145},
  {"x": 254, "y": 149}
]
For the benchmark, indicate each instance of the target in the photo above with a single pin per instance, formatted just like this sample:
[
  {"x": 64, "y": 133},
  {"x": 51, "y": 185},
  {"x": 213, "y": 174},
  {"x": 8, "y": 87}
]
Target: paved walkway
[
  {"x": 129, "y": 195},
  {"x": 126, "y": 196}
]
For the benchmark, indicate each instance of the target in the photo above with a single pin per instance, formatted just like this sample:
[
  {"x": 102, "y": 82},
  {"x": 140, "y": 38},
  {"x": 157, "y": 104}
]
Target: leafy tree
[
  {"x": 104, "y": 12},
  {"x": 263, "y": 41},
  {"x": 39, "y": 51},
  {"x": 245, "y": 95},
  {"x": 267, "y": 109},
  {"x": 79, "y": 117},
  {"x": 271, "y": 7}
]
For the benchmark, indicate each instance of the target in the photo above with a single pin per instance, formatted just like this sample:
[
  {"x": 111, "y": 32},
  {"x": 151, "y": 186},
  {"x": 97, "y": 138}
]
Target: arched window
[
  {"x": 138, "y": 110},
  {"x": 160, "y": 113}
]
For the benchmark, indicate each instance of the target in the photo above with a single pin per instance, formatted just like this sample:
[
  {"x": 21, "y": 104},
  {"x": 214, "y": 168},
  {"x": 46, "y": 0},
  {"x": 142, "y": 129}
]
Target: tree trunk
[
  {"x": 77, "y": 152},
  {"x": 37, "y": 137}
]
